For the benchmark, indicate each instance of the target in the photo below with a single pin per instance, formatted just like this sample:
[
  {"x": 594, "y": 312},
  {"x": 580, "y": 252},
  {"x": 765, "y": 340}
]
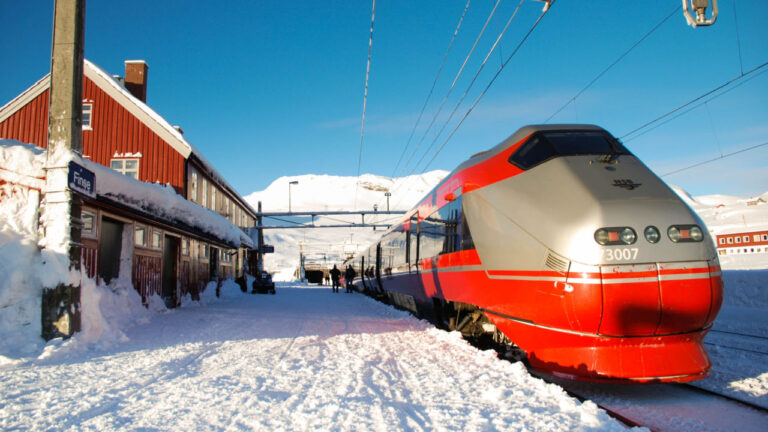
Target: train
[{"x": 561, "y": 245}]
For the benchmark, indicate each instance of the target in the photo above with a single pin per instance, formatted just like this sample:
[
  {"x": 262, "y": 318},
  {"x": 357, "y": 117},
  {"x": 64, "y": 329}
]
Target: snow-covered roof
[{"x": 157, "y": 201}]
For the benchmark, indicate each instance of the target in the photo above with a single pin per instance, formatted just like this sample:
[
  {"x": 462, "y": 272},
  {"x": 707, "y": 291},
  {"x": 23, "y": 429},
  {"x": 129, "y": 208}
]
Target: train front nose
[{"x": 659, "y": 299}]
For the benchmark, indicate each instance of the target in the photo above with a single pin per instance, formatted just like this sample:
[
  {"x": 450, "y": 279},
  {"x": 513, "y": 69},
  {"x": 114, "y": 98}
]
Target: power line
[
  {"x": 696, "y": 99},
  {"x": 715, "y": 159},
  {"x": 365, "y": 99},
  {"x": 431, "y": 90},
  {"x": 498, "y": 72},
  {"x": 453, "y": 84},
  {"x": 472, "y": 83},
  {"x": 682, "y": 113},
  {"x": 621, "y": 57}
]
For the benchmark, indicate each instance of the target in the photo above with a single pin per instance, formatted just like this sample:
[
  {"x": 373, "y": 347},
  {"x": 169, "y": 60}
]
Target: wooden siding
[
  {"x": 147, "y": 272},
  {"x": 113, "y": 130},
  {"x": 29, "y": 124},
  {"x": 89, "y": 260}
]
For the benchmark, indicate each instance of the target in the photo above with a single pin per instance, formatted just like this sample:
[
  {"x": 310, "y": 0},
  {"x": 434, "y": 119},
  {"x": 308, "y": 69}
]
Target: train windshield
[{"x": 546, "y": 145}]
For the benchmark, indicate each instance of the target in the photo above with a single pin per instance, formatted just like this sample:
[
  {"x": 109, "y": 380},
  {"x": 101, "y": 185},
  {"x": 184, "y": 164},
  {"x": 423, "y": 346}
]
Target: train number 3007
[{"x": 622, "y": 254}]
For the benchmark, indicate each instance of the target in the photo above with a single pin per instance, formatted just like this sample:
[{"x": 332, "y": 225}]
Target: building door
[
  {"x": 110, "y": 245},
  {"x": 213, "y": 262},
  {"x": 170, "y": 265}
]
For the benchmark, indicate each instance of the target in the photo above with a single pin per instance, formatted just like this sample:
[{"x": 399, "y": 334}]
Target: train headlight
[
  {"x": 615, "y": 236},
  {"x": 628, "y": 236},
  {"x": 685, "y": 233},
  {"x": 652, "y": 234}
]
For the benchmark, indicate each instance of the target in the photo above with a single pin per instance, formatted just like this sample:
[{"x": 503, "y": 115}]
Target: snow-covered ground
[{"x": 304, "y": 359}]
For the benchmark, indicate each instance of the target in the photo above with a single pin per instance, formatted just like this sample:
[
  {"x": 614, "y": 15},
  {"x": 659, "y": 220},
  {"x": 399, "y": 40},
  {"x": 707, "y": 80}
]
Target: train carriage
[{"x": 560, "y": 242}]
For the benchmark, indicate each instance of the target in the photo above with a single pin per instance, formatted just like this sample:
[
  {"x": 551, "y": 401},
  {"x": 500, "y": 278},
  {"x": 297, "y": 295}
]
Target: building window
[
  {"x": 129, "y": 167},
  {"x": 157, "y": 239},
  {"x": 746, "y": 239},
  {"x": 140, "y": 237},
  {"x": 213, "y": 199},
  {"x": 204, "y": 251},
  {"x": 204, "y": 200},
  {"x": 738, "y": 239},
  {"x": 722, "y": 241},
  {"x": 730, "y": 240},
  {"x": 87, "y": 116},
  {"x": 193, "y": 188},
  {"x": 89, "y": 224},
  {"x": 765, "y": 237}
]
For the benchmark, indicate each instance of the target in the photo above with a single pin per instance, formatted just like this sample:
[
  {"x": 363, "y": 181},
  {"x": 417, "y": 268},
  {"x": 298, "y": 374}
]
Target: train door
[
  {"x": 378, "y": 267},
  {"x": 413, "y": 245}
]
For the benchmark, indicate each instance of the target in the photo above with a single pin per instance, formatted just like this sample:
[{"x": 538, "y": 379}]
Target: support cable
[
  {"x": 621, "y": 57},
  {"x": 715, "y": 159},
  {"x": 738, "y": 38},
  {"x": 365, "y": 101},
  {"x": 498, "y": 72},
  {"x": 453, "y": 84},
  {"x": 689, "y": 109},
  {"x": 472, "y": 83},
  {"x": 696, "y": 99},
  {"x": 431, "y": 90}
]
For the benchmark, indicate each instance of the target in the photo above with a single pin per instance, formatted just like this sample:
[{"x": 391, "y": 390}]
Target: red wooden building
[
  {"x": 122, "y": 132},
  {"x": 742, "y": 242}
]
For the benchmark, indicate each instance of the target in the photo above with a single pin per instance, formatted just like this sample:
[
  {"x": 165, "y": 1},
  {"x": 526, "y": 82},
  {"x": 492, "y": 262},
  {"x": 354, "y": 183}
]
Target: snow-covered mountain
[
  {"x": 722, "y": 214},
  {"x": 326, "y": 246}
]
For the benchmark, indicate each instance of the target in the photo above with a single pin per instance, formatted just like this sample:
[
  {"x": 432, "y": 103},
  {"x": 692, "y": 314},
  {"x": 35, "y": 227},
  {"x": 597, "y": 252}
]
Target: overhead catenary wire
[
  {"x": 694, "y": 100},
  {"x": 432, "y": 89},
  {"x": 693, "y": 107},
  {"x": 698, "y": 164},
  {"x": 621, "y": 57},
  {"x": 496, "y": 76},
  {"x": 453, "y": 84},
  {"x": 472, "y": 83},
  {"x": 365, "y": 100}
]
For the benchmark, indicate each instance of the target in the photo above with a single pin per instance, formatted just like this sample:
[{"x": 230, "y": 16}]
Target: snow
[
  {"x": 302, "y": 359},
  {"x": 333, "y": 193}
]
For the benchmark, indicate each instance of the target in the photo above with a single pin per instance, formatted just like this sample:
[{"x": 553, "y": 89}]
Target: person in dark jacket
[
  {"x": 335, "y": 273},
  {"x": 349, "y": 276}
]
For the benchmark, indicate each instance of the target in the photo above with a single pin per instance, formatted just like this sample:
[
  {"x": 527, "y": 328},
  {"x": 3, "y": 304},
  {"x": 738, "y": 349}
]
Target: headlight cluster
[{"x": 626, "y": 236}]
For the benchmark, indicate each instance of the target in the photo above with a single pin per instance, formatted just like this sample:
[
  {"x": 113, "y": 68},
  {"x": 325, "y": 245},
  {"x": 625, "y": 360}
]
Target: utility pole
[{"x": 61, "y": 238}]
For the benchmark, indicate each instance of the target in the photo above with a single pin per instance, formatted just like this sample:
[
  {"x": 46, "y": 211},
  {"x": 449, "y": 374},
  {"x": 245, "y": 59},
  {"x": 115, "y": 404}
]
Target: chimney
[{"x": 136, "y": 78}]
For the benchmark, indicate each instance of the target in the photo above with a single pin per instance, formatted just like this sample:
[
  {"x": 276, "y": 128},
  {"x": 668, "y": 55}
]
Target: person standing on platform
[
  {"x": 335, "y": 274},
  {"x": 349, "y": 276}
]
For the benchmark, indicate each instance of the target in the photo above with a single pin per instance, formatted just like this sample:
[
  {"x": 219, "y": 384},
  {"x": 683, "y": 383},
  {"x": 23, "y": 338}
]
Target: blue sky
[{"x": 272, "y": 88}]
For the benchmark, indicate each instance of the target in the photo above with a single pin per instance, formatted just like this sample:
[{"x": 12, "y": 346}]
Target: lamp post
[
  {"x": 387, "y": 194},
  {"x": 295, "y": 182}
]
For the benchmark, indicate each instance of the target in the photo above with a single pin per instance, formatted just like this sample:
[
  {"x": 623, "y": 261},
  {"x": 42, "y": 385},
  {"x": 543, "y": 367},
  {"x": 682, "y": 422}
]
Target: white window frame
[
  {"x": 87, "y": 116},
  {"x": 140, "y": 241},
  {"x": 119, "y": 165},
  {"x": 204, "y": 199},
  {"x": 746, "y": 239},
  {"x": 193, "y": 187},
  {"x": 92, "y": 231},
  {"x": 157, "y": 235}
]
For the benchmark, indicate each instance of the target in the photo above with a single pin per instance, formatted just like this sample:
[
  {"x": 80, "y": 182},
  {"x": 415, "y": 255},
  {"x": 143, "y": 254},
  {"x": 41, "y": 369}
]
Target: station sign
[
  {"x": 265, "y": 249},
  {"x": 81, "y": 180}
]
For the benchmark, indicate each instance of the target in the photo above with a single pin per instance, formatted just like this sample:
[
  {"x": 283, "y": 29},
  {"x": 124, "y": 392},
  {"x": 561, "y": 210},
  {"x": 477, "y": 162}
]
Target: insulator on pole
[{"x": 699, "y": 8}]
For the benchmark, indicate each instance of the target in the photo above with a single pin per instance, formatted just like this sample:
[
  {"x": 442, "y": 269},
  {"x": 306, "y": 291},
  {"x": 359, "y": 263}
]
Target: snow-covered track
[
  {"x": 745, "y": 342},
  {"x": 671, "y": 407}
]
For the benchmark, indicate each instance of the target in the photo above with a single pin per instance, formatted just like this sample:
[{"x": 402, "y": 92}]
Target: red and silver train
[{"x": 562, "y": 244}]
